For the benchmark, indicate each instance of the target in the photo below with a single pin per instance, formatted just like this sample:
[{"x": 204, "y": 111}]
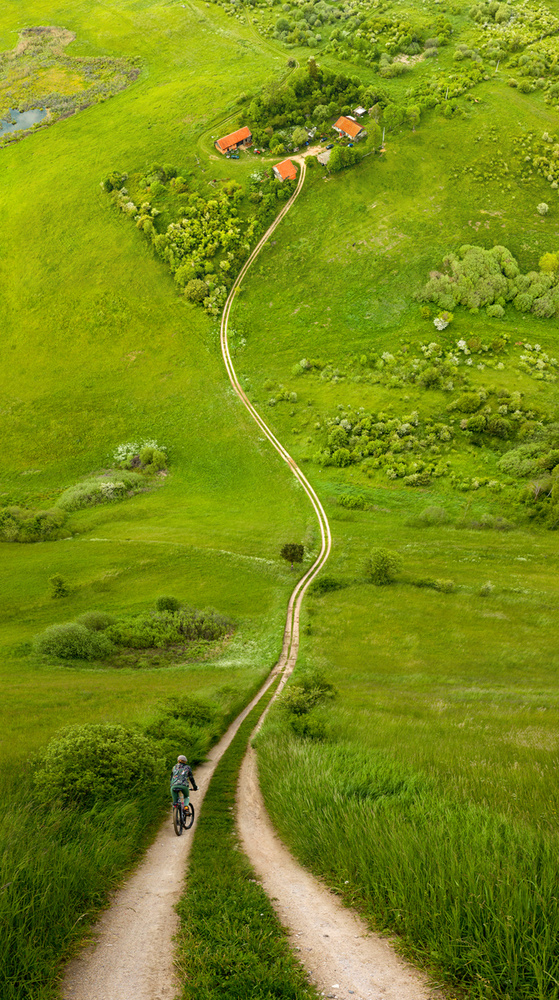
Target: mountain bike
[{"x": 183, "y": 815}]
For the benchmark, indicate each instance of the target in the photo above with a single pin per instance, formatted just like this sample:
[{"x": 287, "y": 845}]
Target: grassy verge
[
  {"x": 231, "y": 944},
  {"x": 465, "y": 888}
]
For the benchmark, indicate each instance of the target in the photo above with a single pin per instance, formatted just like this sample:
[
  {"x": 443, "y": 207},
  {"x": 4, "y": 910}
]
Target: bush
[
  {"x": 58, "y": 586},
  {"x": 352, "y": 501},
  {"x": 19, "y": 525},
  {"x": 101, "y": 489},
  {"x": 196, "y": 290},
  {"x": 168, "y": 604},
  {"x": 97, "y": 763},
  {"x": 432, "y": 517},
  {"x": 72, "y": 641},
  {"x": 486, "y": 589},
  {"x": 325, "y": 584},
  {"x": 96, "y": 621},
  {"x": 383, "y": 566}
]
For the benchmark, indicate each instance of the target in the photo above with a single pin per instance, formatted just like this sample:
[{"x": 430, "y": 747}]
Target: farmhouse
[
  {"x": 349, "y": 127},
  {"x": 241, "y": 138},
  {"x": 285, "y": 171}
]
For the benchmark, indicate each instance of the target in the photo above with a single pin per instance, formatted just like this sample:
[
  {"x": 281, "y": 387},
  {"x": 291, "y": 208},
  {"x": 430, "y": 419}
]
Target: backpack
[{"x": 180, "y": 775}]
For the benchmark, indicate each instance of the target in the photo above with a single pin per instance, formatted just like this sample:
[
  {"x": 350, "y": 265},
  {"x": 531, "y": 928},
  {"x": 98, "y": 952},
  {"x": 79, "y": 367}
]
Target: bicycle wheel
[
  {"x": 177, "y": 819},
  {"x": 188, "y": 816}
]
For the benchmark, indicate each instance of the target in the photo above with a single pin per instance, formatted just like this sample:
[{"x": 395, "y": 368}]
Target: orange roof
[
  {"x": 234, "y": 137},
  {"x": 287, "y": 170},
  {"x": 348, "y": 126}
]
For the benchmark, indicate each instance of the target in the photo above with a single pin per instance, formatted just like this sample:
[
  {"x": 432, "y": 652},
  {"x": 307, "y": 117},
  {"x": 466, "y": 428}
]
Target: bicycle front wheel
[
  {"x": 188, "y": 816},
  {"x": 177, "y": 819}
]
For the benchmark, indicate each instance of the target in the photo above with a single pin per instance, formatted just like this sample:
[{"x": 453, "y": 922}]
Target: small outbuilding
[
  {"x": 349, "y": 127},
  {"x": 285, "y": 171},
  {"x": 235, "y": 140},
  {"x": 360, "y": 112}
]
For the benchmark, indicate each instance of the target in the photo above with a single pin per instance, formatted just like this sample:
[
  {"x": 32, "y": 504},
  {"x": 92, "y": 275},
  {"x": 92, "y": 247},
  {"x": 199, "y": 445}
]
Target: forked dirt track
[{"x": 130, "y": 956}]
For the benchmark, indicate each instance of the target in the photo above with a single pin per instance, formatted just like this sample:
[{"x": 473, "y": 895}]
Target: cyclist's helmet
[{"x": 181, "y": 759}]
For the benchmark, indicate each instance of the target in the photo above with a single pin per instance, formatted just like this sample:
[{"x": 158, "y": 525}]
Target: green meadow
[{"x": 444, "y": 724}]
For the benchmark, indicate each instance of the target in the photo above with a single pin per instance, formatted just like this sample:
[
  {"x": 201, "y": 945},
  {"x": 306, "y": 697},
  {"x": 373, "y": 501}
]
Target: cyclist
[{"x": 181, "y": 775}]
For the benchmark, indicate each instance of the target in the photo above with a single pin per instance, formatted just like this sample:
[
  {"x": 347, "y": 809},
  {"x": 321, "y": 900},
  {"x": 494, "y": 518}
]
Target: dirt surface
[
  {"x": 344, "y": 958},
  {"x": 130, "y": 955}
]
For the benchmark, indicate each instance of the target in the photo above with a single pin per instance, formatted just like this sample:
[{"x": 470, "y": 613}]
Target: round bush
[
  {"x": 96, "y": 621},
  {"x": 168, "y": 604},
  {"x": 96, "y": 762},
  {"x": 72, "y": 641},
  {"x": 382, "y": 566}
]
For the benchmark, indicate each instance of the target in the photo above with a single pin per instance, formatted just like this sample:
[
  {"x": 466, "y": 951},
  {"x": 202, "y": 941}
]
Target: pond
[{"x": 21, "y": 120}]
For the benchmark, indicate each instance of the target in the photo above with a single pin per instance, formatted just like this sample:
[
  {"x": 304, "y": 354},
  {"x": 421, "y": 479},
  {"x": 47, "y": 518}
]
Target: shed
[
  {"x": 285, "y": 171},
  {"x": 242, "y": 137},
  {"x": 360, "y": 112}
]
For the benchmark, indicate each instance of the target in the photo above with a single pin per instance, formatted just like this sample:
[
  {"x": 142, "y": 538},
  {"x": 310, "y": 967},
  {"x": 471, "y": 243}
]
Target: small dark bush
[
  {"x": 96, "y": 763},
  {"x": 58, "y": 586},
  {"x": 168, "y": 604},
  {"x": 325, "y": 584}
]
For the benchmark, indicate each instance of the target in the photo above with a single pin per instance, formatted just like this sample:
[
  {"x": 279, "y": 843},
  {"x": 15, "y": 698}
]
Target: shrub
[
  {"x": 468, "y": 402},
  {"x": 101, "y": 489},
  {"x": 72, "y": 641},
  {"x": 58, "y": 586},
  {"x": 168, "y": 604},
  {"x": 96, "y": 763},
  {"x": 486, "y": 589},
  {"x": 432, "y": 517},
  {"x": 19, "y": 525},
  {"x": 325, "y": 584},
  {"x": 96, "y": 621},
  {"x": 495, "y": 311},
  {"x": 542, "y": 208},
  {"x": 352, "y": 501},
  {"x": 383, "y": 566},
  {"x": 196, "y": 290}
]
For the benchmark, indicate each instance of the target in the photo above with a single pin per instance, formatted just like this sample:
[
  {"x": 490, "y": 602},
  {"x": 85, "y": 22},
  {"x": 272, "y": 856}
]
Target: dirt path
[
  {"x": 344, "y": 958},
  {"x": 130, "y": 956}
]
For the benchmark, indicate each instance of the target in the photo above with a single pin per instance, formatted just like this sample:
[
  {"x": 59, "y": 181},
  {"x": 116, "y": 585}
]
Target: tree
[
  {"x": 336, "y": 161},
  {"x": 196, "y": 290},
  {"x": 382, "y": 566},
  {"x": 549, "y": 263},
  {"x": 58, "y": 586},
  {"x": 293, "y": 552},
  {"x": 299, "y": 136}
]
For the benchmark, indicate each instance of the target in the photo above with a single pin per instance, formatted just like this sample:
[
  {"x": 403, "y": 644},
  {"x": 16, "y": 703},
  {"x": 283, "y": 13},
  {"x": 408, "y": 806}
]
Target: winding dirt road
[{"x": 130, "y": 955}]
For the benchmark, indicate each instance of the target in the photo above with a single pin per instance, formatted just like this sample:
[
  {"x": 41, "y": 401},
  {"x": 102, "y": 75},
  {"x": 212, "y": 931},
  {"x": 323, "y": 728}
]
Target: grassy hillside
[{"x": 454, "y": 688}]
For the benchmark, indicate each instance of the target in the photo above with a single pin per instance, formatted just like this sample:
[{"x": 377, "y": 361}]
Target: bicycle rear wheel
[
  {"x": 188, "y": 816},
  {"x": 177, "y": 819}
]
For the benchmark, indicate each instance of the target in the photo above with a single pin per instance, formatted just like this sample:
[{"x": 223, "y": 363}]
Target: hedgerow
[{"x": 20, "y": 525}]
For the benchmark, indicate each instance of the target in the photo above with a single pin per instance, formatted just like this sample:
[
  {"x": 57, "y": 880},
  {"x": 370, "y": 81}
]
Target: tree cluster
[
  {"x": 478, "y": 278},
  {"x": 312, "y": 95}
]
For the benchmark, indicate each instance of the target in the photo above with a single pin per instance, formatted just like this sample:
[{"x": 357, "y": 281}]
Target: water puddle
[{"x": 19, "y": 120}]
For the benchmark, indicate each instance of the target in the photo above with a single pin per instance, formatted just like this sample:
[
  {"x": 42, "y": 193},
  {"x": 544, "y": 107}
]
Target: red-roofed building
[
  {"x": 285, "y": 171},
  {"x": 242, "y": 137},
  {"x": 349, "y": 127}
]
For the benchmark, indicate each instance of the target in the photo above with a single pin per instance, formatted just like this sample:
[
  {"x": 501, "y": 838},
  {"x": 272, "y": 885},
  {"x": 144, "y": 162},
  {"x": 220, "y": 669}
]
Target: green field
[{"x": 456, "y": 690}]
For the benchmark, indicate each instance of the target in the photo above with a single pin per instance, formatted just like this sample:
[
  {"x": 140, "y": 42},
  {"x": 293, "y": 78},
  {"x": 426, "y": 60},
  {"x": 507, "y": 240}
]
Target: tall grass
[
  {"x": 471, "y": 891},
  {"x": 55, "y": 871},
  {"x": 231, "y": 944}
]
